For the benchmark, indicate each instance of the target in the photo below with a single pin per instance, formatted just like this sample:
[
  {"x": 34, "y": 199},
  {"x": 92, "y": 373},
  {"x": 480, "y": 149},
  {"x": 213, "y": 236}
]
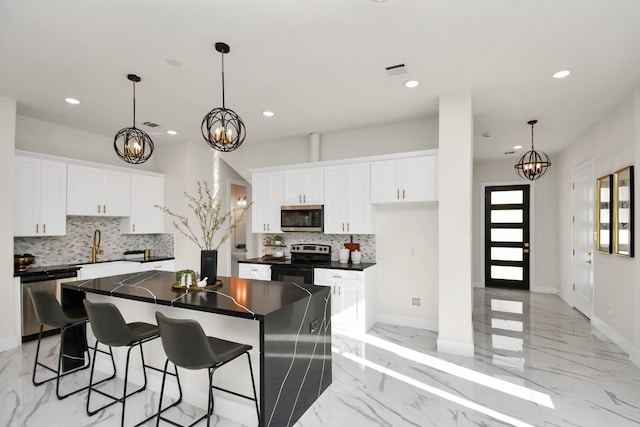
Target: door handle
[
  {"x": 589, "y": 253},
  {"x": 588, "y": 261}
]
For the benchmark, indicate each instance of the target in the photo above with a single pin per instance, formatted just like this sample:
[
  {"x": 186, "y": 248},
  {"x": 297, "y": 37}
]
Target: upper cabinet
[
  {"x": 147, "y": 191},
  {"x": 40, "y": 197},
  {"x": 98, "y": 192},
  {"x": 303, "y": 186},
  {"x": 413, "y": 179},
  {"x": 267, "y": 195},
  {"x": 347, "y": 204}
]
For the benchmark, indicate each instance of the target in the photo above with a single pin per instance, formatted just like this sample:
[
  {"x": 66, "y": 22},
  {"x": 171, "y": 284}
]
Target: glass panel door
[{"x": 507, "y": 236}]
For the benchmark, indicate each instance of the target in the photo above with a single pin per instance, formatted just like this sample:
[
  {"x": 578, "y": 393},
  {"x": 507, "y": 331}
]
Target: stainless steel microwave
[{"x": 302, "y": 218}]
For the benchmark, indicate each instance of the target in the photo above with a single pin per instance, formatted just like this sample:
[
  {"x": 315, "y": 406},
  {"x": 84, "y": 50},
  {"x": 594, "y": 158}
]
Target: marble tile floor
[{"x": 537, "y": 362}]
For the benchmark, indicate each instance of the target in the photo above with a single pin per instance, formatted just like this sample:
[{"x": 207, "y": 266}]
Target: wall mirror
[
  {"x": 623, "y": 211},
  {"x": 604, "y": 213}
]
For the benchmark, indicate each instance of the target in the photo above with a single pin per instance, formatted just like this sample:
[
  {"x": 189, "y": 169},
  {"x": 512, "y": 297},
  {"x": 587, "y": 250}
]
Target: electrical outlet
[
  {"x": 610, "y": 310},
  {"x": 416, "y": 301}
]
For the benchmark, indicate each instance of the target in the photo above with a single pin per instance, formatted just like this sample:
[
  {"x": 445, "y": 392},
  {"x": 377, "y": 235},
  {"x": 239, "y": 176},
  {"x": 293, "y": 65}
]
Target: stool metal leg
[
  {"x": 58, "y": 370},
  {"x": 177, "y": 402}
]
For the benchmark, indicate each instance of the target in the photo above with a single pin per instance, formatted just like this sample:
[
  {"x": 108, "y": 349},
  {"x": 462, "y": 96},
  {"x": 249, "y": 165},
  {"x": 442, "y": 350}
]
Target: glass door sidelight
[{"x": 506, "y": 237}]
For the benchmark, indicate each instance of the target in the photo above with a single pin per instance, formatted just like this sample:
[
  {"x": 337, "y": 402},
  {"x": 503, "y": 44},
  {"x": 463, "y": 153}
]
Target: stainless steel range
[{"x": 304, "y": 258}]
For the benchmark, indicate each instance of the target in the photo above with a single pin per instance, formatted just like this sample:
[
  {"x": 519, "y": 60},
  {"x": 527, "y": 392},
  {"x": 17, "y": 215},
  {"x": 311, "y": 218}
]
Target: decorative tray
[{"x": 176, "y": 286}]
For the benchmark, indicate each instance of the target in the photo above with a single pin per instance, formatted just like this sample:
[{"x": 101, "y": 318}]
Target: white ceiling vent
[
  {"x": 151, "y": 124},
  {"x": 396, "y": 70}
]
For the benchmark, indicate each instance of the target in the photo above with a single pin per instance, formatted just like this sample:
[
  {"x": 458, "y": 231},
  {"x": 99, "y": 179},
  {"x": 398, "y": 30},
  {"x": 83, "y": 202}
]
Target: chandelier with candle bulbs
[
  {"x": 222, "y": 128},
  {"x": 533, "y": 164}
]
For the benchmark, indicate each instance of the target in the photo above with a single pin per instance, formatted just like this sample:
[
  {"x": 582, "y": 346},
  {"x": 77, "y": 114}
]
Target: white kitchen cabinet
[
  {"x": 95, "y": 191},
  {"x": 254, "y": 271},
  {"x": 267, "y": 196},
  {"x": 147, "y": 191},
  {"x": 352, "y": 297},
  {"x": 164, "y": 265},
  {"x": 40, "y": 197},
  {"x": 347, "y": 202},
  {"x": 304, "y": 186},
  {"x": 413, "y": 179}
]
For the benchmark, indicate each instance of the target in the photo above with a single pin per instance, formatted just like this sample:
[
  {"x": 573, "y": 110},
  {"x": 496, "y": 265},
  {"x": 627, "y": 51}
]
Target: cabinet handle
[
  {"x": 98, "y": 208},
  {"x": 44, "y": 228},
  {"x": 343, "y": 226},
  {"x": 104, "y": 208},
  {"x": 339, "y": 290},
  {"x": 304, "y": 198},
  {"x": 402, "y": 194},
  {"x": 348, "y": 227},
  {"x": 254, "y": 269},
  {"x": 268, "y": 227},
  {"x": 299, "y": 198},
  {"x": 337, "y": 276},
  {"x": 398, "y": 194},
  {"x": 37, "y": 226},
  {"x": 134, "y": 228}
]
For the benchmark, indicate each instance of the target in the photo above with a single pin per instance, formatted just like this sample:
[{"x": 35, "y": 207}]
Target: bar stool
[
  {"x": 49, "y": 312},
  {"x": 187, "y": 346},
  {"x": 110, "y": 329}
]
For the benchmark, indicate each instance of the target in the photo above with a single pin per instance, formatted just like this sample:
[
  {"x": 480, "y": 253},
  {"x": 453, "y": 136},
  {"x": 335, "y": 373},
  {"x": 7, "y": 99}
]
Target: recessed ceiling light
[
  {"x": 172, "y": 132},
  {"x": 517, "y": 147},
  {"x": 411, "y": 83},
  {"x": 267, "y": 113},
  {"x": 72, "y": 101},
  {"x": 561, "y": 74}
]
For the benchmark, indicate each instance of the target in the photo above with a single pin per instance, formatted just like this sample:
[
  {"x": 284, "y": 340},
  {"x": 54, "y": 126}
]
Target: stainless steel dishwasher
[{"x": 51, "y": 280}]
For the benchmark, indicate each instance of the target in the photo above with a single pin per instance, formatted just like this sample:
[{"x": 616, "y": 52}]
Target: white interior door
[{"x": 582, "y": 196}]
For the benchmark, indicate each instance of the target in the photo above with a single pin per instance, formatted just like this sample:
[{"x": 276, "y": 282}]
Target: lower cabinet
[
  {"x": 254, "y": 271},
  {"x": 352, "y": 297},
  {"x": 165, "y": 265}
]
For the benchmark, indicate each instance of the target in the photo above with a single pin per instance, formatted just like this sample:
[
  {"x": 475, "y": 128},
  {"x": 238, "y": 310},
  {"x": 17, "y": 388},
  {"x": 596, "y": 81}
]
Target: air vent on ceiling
[
  {"x": 396, "y": 70},
  {"x": 151, "y": 124}
]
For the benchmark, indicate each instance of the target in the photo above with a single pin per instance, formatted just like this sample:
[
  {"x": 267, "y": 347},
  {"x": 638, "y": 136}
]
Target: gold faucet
[{"x": 95, "y": 249}]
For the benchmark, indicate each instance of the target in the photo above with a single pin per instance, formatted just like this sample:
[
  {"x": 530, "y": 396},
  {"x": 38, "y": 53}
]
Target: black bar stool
[
  {"x": 187, "y": 346},
  {"x": 49, "y": 312},
  {"x": 110, "y": 329}
]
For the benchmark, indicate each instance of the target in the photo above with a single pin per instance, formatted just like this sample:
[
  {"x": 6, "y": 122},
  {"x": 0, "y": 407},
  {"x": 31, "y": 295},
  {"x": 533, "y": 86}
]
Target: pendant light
[
  {"x": 222, "y": 128},
  {"x": 533, "y": 164},
  {"x": 132, "y": 144}
]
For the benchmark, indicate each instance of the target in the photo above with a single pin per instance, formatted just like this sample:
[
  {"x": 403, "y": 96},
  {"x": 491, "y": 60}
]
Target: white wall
[
  {"x": 49, "y": 138},
  {"x": 544, "y": 260},
  {"x": 612, "y": 143},
  {"x": 8, "y": 306}
]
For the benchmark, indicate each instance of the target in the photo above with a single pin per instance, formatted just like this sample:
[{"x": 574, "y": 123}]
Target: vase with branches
[{"x": 210, "y": 221}]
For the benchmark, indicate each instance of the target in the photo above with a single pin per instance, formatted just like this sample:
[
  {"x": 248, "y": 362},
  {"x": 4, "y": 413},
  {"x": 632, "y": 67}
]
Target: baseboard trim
[
  {"x": 619, "y": 340},
  {"x": 9, "y": 343},
  {"x": 544, "y": 290},
  {"x": 456, "y": 347},
  {"x": 412, "y": 322}
]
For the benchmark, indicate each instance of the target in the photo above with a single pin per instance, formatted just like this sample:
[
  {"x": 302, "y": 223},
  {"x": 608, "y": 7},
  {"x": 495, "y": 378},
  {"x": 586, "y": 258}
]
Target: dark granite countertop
[
  {"x": 238, "y": 297},
  {"x": 62, "y": 268},
  {"x": 333, "y": 264}
]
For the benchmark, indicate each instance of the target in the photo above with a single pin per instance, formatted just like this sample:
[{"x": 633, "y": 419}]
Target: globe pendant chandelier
[
  {"x": 132, "y": 144},
  {"x": 533, "y": 164},
  {"x": 222, "y": 128}
]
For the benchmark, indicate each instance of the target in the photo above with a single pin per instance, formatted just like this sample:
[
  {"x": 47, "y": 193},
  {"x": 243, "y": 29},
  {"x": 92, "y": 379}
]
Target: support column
[
  {"x": 455, "y": 179},
  {"x": 9, "y": 305}
]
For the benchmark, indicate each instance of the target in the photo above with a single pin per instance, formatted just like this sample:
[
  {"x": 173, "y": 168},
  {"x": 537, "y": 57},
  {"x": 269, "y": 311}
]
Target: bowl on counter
[{"x": 21, "y": 262}]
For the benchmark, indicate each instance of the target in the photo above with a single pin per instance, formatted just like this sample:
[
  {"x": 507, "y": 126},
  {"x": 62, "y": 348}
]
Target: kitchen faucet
[{"x": 95, "y": 250}]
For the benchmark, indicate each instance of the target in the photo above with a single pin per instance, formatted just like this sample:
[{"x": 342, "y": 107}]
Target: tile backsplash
[
  {"x": 367, "y": 243},
  {"x": 75, "y": 247}
]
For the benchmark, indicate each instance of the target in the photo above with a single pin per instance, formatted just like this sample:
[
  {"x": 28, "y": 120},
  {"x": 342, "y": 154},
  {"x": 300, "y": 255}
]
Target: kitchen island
[{"x": 287, "y": 324}]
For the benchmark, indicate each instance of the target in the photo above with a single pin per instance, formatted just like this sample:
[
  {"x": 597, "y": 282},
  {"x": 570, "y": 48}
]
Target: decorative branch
[{"x": 208, "y": 214}]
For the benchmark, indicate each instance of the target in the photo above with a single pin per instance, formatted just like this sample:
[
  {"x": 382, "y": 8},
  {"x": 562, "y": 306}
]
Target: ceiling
[{"x": 319, "y": 65}]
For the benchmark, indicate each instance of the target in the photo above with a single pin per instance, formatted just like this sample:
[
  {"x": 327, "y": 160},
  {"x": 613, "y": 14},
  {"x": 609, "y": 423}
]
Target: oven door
[{"x": 290, "y": 273}]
